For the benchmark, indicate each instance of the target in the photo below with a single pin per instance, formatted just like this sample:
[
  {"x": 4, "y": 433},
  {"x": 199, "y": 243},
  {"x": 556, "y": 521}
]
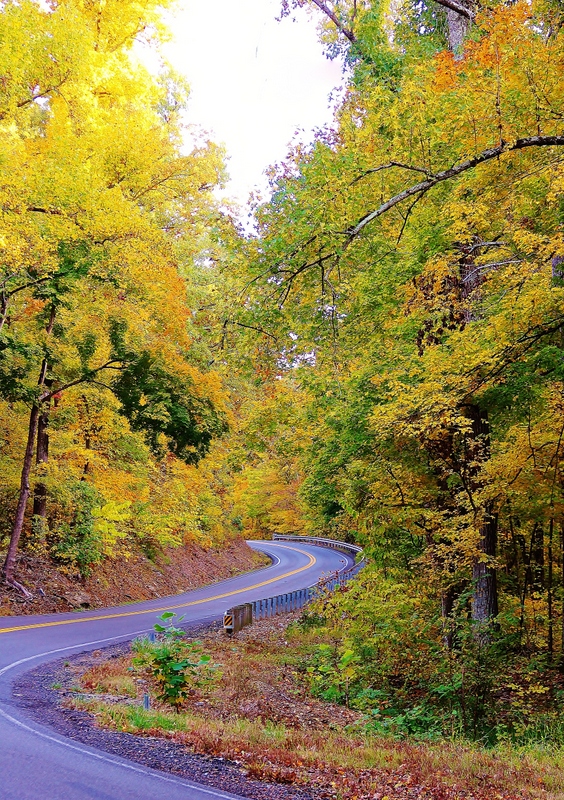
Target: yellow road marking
[{"x": 311, "y": 562}]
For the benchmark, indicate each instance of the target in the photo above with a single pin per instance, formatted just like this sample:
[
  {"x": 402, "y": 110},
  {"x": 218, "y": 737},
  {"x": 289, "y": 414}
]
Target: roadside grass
[
  {"x": 111, "y": 677},
  {"x": 258, "y": 713}
]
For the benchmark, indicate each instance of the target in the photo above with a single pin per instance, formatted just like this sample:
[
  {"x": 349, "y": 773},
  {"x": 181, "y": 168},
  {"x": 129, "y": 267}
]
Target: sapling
[{"x": 176, "y": 665}]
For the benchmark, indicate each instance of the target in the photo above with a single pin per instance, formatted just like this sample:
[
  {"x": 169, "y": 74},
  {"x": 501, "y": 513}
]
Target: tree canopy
[{"x": 380, "y": 360}]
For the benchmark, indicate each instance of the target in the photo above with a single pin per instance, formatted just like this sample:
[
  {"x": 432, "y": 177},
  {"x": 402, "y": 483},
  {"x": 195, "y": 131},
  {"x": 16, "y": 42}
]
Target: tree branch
[
  {"x": 42, "y": 210},
  {"x": 45, "y": 93},
  {"x": 389, "y": 166},
  {"x": 253, "y": 328},
  {"x": 453, "y": 172},
  {"x": 82, "y": 379},
  {"x": 337, "y": 22},
  {"x": 460, "y": 8}
]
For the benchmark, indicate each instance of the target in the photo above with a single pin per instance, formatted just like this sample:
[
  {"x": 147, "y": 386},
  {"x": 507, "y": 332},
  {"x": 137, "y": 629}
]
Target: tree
[
  {"x": 410, "y": 245},
  {"x": 96, "y": 194}
]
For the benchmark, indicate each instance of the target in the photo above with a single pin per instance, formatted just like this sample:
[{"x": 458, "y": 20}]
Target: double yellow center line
[{"x": 311, "y": 561}]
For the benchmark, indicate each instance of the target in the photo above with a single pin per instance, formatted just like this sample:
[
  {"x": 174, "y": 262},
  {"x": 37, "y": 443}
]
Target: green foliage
[
  {"x": 164, "y": 404},
  {"x": 79, "y": 542},
  {"x": 380, "y": 653},
  {"x": 332, "y": 672},
  {"x": 104, "y": 217},
  {"x": 422, "y": 323}
]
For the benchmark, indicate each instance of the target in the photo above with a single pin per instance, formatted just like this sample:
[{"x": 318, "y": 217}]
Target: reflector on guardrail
[{"x": 237, "y": 617}]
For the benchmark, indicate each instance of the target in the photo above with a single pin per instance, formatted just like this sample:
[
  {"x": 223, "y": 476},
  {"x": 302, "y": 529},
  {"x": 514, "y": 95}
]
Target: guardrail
[
  {"x": 334, "y": 544},
  {"x": 237, "y": 617}
]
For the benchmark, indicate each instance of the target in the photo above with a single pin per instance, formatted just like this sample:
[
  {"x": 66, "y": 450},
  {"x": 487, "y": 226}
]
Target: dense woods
[
  {"x": 380, "y": 360},
  {"x": 107, "y": 399},
  {"x": 409, "y": 265}
]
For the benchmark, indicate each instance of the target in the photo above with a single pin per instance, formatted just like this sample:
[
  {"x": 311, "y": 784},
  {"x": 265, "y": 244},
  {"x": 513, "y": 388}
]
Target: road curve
[{"x": 38, "y": 764}]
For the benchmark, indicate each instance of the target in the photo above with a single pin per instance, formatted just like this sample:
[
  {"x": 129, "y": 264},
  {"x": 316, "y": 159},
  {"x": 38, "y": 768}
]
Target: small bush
[{"x": 177, "y": 666}]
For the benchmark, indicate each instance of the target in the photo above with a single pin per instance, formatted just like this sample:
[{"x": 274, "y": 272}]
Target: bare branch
[
  {"x": 336, "y": 21},
  {"x": 254, "y": 328},
  {"x": 479, "y": 245},
  {"x": 82, "y": 379},
  {"x": 406, "y": 218},
  {"x": 453, "y": 172},
  {"x": 389, "y": 166},
  {"x": 485, "y": 267}
]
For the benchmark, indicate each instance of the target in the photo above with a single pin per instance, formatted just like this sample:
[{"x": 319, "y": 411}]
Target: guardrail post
[{"x": 237, "y": 617}]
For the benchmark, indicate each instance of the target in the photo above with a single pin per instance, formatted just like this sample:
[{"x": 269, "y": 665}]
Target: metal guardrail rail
[
  {"x": 234, "y": 619},
  {"x": 334, "y": 544}
]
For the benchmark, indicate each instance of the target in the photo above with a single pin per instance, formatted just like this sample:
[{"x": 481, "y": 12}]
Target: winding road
[{"x": 37, "y": 763}]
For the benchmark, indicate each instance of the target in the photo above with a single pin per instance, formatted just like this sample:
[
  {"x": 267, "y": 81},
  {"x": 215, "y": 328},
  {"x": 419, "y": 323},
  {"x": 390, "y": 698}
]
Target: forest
[{"x": 379, "y": 360}]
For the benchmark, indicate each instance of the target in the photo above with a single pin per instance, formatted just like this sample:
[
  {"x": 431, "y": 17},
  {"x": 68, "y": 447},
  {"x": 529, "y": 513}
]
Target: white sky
[{"x": 254, "y": 80}]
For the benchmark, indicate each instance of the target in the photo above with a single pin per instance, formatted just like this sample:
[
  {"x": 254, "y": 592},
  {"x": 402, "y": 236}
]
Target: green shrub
[{"x": 177, "y": 666}]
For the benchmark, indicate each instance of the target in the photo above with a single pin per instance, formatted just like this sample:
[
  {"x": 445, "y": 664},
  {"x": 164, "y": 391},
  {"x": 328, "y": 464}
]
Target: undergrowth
[{"x": 260, "y": 713}]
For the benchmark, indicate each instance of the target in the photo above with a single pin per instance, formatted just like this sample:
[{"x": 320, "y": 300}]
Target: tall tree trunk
[
  {"x": 550, "y": 591},
  {"x": 562, "y": 593},
  {"x": 458, "y": 27},
  {"x": 3, "y": 310},
  {"x": 42, "y": 457},
  {"x": 537, "y": 558},
  {"x": 485, "y": 602},
  {"x": 87, "y": 437},
  {"x": 448, "y": 599},
  {"x": 17, "y": 527},
  {"x": 8, "y": 568}
]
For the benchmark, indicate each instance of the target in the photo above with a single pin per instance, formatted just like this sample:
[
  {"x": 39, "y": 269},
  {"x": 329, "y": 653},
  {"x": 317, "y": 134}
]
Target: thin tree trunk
[
  {"x": 562, "y": 591},
  {"x": 42, "y": 457},
  {"x": 17, "y": 527},
  {"x": 8, "y": 568},
  {"x": 87, "y": 437},
  {"x": 448, "y": 599},
  {"x": 3, "y": 310},
  {"x": 550, "y": 591},
  {"x": 537, "y": 559},
  {"x": 522, "y": 604}
]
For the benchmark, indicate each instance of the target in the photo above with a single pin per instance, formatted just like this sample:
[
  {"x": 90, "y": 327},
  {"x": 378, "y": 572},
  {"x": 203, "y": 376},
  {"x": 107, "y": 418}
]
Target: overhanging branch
[
  {"x": 424, "y": 186},
  {"x": 336, "y": 21}
]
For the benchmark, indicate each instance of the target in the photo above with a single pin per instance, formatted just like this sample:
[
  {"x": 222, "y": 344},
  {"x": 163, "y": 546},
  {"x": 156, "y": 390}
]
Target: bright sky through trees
[{"x": 254, "y": 80}]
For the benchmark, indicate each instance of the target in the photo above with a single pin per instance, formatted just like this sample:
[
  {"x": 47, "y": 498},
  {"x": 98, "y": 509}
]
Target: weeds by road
[{"x": 259, "y": 713}]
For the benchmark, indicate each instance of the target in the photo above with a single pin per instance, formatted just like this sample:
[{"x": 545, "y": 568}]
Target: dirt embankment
[{"x": 121, "y": 580}]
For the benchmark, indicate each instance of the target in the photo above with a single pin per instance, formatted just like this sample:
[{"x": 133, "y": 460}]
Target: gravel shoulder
[{"x": 35, "y": 695}]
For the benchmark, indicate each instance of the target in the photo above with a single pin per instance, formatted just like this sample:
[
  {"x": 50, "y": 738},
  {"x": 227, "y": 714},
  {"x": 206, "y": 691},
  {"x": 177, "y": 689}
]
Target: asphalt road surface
[{"x": 36, "y": 763}]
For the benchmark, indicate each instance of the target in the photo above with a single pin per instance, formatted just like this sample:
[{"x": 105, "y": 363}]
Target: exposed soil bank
[{"x": 120, "y": 580}]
